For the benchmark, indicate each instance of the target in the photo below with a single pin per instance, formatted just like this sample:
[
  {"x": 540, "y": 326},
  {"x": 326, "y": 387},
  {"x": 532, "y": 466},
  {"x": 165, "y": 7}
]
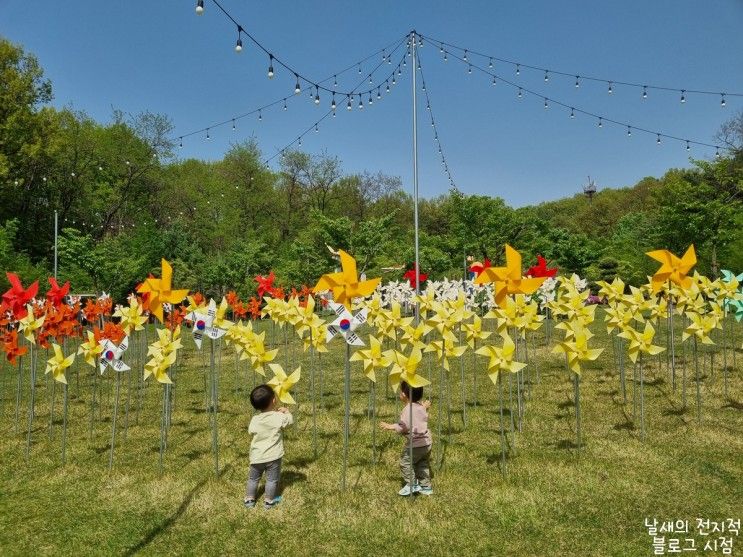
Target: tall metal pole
[
  {"x": 55, "y": 243},
  {"x": 414, "y": 47}
]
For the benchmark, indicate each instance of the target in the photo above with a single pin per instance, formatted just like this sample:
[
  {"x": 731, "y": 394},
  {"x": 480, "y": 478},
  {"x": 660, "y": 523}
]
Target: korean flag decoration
[
  {"x": 111, "y": 355},
  {"x": 345, "y": 324}
]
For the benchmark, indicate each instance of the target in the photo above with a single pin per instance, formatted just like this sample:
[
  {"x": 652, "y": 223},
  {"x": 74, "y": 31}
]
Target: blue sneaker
[
  {"x": 425, "y": 490},
  {"x": 272, "y": 504},
  {"x": 249, "y": 504}
]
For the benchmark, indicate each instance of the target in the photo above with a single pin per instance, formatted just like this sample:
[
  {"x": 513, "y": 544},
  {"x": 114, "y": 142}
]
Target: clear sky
[{"x": 160, "y": 56}]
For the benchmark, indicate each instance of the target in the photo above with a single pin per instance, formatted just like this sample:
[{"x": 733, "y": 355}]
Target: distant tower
[{"x": 589, "y": 190}]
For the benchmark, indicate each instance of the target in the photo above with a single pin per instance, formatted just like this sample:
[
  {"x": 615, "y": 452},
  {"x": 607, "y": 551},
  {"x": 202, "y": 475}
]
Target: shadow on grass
[
  {"x": 566, "y": 444},
  {"x": 168, "y": 522}
]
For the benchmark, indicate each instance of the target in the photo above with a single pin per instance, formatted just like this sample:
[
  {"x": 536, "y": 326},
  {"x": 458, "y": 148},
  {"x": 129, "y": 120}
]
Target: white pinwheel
[
  {"x": 345, "y": 324},
  {"x": 111, "y": 355}
]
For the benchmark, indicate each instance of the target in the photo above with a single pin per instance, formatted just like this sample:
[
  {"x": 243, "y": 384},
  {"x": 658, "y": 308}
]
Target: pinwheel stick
[
  {"x": 347, "y": 412},
  {"x": 672, "y": 341},
  {"x": 440, "y": 417},
  {"x": 696, "y": 377},
  {"x": 464, "y": 395},
  {"x": 64, "y": 426},
  {"x": 313, "y": 394},
  {"x": 51, "y": 410},
  {"x": 373, "y": 397},
  {"x": 18, "y": 392},
  {"x": 32, "y": 401},
  {"x": 576, "y": 386},
  {"x": 213, "y": 409},
  {"x": 642, "y": 401},
  {"x": 502, "y": 428},
  {"x": 474, "y": 374},
  {"x": 622, "y": 378},
  {"x": 113, "y": 420},
  {"x": 162, "y": 426}
]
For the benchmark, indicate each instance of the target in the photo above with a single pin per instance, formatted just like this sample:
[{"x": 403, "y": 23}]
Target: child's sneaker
[
  {"x": 272, "y": 504},
  {"x": 249, "y": 504},
  {"x": 425, "y": 490},
  {"x": 405, "y": 491},
  {"x": 416, "y": 487}
]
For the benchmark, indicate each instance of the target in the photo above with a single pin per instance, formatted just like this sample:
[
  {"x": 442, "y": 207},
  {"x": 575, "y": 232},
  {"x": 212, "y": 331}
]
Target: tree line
[{"x": 124, "y": 200}]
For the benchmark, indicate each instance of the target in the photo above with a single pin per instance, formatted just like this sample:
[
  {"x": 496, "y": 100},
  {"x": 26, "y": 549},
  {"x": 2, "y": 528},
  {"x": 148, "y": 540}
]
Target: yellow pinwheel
[
  {"x": 158, "y": 367},
  {"x": 442, "y": 319},
  {"x": 445, "y": 349},
  {"x": 30, "y": 324},
  {"x": 220, "y": 321},
  {"x": 412, "y": 337},
  {"x": 160, "y": 291},
  {"x": 576, "y": 349},
  {"x": 473, "y": 331},
  {"x": 641, "y": 342},
  {"x": 391, "y": 320},
  {"x": 90, "y": 349},
  {"x": 500, "y": 358},
  {"x": 281, "y": 383},
  {"x": 672, "y": 268},
  {"x": 404, "y": 369},
  {"x": 611, "y": 291},
  {"x": 700, "y": 326},
  {"x": 57, "y": 364},
  {"x": 317, "y": 336},
  {"x": 256, "y": 350},
  {"x": 372, "y": 357},
  {"x": 508, "y": 279},
  {"x": 132, "y": 317},
  {"x": 426, "y": 300},
  {"x": 346, "y": 285}
]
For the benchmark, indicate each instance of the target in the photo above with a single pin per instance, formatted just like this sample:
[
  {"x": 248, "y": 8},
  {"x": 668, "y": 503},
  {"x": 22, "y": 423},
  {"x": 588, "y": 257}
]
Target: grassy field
[{"x": 554, "y": 500}]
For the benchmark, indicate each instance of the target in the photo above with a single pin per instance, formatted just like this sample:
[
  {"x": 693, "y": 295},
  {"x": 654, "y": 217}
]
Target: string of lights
[
  {"x": 387, "y": 56},
  {"x": 332, "y": 112},
  {"x": 436, "y": 139},
  {"x": 299, "y": 78},
  {"x": 601, "y": 120},
  {"x": 446, "y": 48}
]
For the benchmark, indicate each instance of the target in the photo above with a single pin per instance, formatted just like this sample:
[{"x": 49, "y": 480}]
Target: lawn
[{"x": 553, "y": 500}]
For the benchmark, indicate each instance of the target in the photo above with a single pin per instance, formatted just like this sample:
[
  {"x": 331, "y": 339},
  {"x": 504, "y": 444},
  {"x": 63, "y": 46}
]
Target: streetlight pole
[{"x": 414, "y": 48}]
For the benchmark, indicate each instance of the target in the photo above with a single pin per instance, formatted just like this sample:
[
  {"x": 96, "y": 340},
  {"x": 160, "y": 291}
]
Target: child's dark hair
[
  {"x": 261, "y": 397},
  {"x": 417, "y": 391}
]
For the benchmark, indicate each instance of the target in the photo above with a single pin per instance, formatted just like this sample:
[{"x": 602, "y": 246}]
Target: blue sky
[{"x": 160, "y": 56}]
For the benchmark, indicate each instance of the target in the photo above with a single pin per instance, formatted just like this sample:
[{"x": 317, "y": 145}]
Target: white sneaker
[
  {"x": 405, "y": 491},
  {"x": 416, "y": 487}
]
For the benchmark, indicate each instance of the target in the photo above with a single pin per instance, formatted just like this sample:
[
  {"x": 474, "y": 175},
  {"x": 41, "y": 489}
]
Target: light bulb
[
  {"x": 546, "y": 76},
  {"x": 181, "y": 142},
  {"x": 335, "y": 81},
  {"x": 393, "y": 80},
  {"x": 200, "y": 7},
  {"x": 519, "y": 95},
  {"x": 297, "y": 88},
  {"x": 644, "y": 91},
  {"x": 577, "y": 81},
  {"x": 683, "y": 96},
  {"x": 317, "y": 96},
  {"x": 469, "y": 69},
  {"x": 493, "y": 81},
  {"x": 688, "y": 148},
  {"x": 207, "y": 133},
  {"x": 260, "y": 116},
  {"x": 233, "y": 124},
  {"x": 629, "y": 131},
  {"x": 658, "y": 140},
  {"x": 490, "y": 64},
  {"x": 446, "y": 59},
  {"x": 270, "y": 67},
  {"x": 332, "y": 103},
  {"x": 239, "y": 44},
  {"x": 348, "y": 106},
  {"x": 379, "y": 95},
  {"x": 300, "y": 141},
  {"x": 601, "y": 122},
  {"x": 361, "y": 103},
  {"x": 722, "y": 99},
  {"x": 545, "y": 103},
  {"x": 388, "y": 88},
  {"x": 717, "y": 152},
  {"x": 572, "y": 113},
  {"x": 316, "y": 128},
  {"x": 611, "y": 89},
  {"x": 284, "y": 104},
  {"x": 371, "y": 100},
  {"x": 518, "y": 69},
  {"x": 359, "y": 69},
  {"x": 465, "y": 56}
]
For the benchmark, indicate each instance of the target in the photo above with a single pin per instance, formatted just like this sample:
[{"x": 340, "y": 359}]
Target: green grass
[{"x": 555, "y": 500}]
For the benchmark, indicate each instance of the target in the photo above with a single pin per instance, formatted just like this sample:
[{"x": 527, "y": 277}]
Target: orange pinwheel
[
  {"x": 508, "y": 279},
  {"x": 672, "y": 268},
  {"x": 346, "y": 285},
  {"x": 161, "y": 292},
  {"x": 11, "y": 348}
]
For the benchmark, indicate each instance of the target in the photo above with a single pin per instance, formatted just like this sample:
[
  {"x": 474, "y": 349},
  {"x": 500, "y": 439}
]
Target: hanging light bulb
[
  {"x": 297, "y": 88},
  {"x": 233, "y": 124},
  {"x": 348, "y": 106},
  {"x": 601, "y": 122},
  {"x": 260, "y": 115},
  {"x": 717, "y": 152},
  {"x": 577, "y": 81},
  {"x": 493, "y": 81},
  {"x": 207, "y": 133},
  {"x": 359, "y": 69},
  {"x": 465, "y": 56},
  {"x": 317, "y": 95},
  {"x": 200, "y": 7},
  {"x": 611, "y": 88},
  {"x": 644, "y": 91},
  {"x": 371, "y": 99},
  {"x": 546, "y": 76},
  {"x": 284, "y": 103},
  {"x": 428, "y": 106},
  {"x": 399, "y": 71},
  {"x": 441, "y": 49},
  {"x": 446, "y": 59},
  {"x": 545, "y": 103},
  {"x": 393, "y": 80},
  {"x": 518, "y": 69},
  {"x": 388, "y": 87},
  {"x": 572, "y": 112},
  {"x": 683, "y": 96},
  {"x": 179, "y": 145},
  {"x": 335, "y": 81},
  {"x": 239, "y": 43},
  {"x": 658, "y": 139},
  {"x": 379, "y": 95},
  {"x": 519, "y": 95},
  {"x": 300, "y": 141},
  {"x": 371, "y": 81},
  {"x": 361, "y": 103},
  {"x": 332, "y": 103},
  {"x": 316, "y": 128},
  {"x": 490, "y": 64},
  {"x": 629, "y": 131},
  {"x": 404, "y": 63},
  {"x": 688, "y": 148},
  {"x": 469, "y": 69},
  {"x": 270, "y": 66},
  {"x": 722, "y": 100}
]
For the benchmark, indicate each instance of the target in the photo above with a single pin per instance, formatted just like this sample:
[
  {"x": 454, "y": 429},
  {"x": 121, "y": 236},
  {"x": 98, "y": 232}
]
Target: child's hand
[
  {"x": 283, "y": 410},
  {"x": 386, "y": 426},
  {"x": 426, "y": 404}
]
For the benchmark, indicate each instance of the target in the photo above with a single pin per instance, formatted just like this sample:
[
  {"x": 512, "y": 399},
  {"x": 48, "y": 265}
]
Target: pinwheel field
[{"x": 552, "y": 499}]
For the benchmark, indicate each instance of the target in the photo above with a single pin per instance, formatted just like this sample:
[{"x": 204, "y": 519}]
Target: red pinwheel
[
  {"x": 478, "y": 267},
  {"x": 16, "y": 298},
  {"x": 410, "y": 276},
  {"x": 265, "y": 284},
  {"x": 56, "y": 293},
  {"x": 540, "y": 269}
]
